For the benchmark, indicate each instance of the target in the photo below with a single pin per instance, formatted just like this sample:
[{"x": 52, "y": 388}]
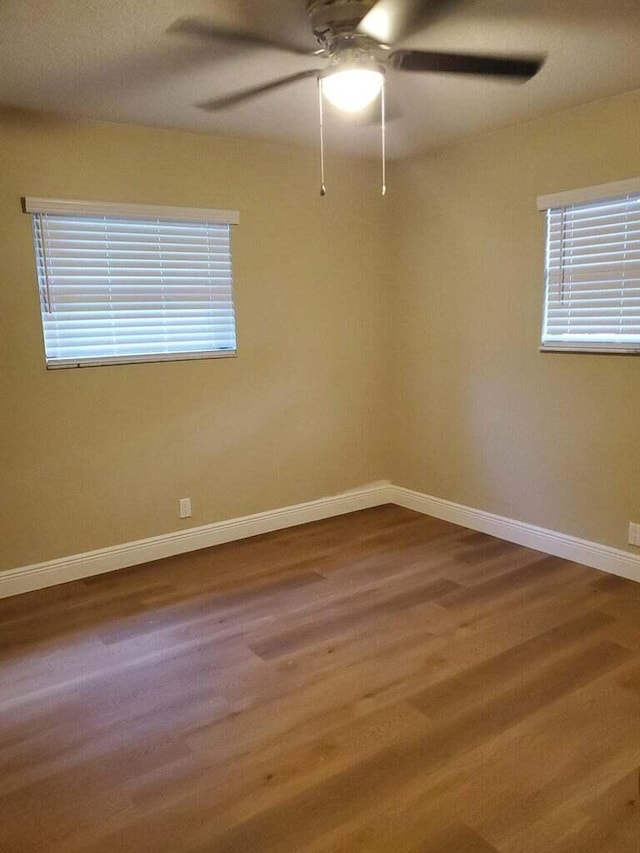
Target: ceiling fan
[{"x": 354, "y": 37}]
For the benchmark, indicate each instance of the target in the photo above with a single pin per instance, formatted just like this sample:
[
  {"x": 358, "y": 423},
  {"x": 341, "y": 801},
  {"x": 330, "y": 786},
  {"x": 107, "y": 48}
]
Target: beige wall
[
  {"x": 446, "y": 393},
  {"x": 99, "y": 456},
  {"x": 484, "y": 419}
]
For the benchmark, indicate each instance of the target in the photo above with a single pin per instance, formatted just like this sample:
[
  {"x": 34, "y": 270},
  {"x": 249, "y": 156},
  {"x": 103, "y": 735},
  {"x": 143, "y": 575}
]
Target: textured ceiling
[{"x": 116, "y": 61}]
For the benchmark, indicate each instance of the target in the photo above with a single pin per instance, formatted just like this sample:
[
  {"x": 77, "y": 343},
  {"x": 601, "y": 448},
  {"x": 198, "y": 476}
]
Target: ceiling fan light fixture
[
  {"x": 352, "y": 89},
  {"x": 353, "y": 79}
]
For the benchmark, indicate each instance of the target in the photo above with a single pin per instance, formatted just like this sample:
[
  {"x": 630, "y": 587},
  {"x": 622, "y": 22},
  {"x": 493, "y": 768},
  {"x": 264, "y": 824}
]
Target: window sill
[
  {"x": 590, "y": 350},
  {"x": 143, "y": 359}
]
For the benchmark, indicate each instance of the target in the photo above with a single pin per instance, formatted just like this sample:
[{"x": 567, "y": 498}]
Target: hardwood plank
[
  {"x": 586, "y": 738},
  {"x": 333, "y": 625},
  {"x": 482, "y": 680},
  {"x": 270, "y": 596},
  {"x": 506, "y": 583},
  {"x": 376, "y": 682},
  {"x": 361, "y": 787}
]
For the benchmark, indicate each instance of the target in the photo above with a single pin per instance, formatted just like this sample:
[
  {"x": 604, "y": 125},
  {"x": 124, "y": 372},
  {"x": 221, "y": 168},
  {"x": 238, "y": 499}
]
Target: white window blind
[
  {"x": 592, "y": 287},
  {"x": 132, "y": 283}
]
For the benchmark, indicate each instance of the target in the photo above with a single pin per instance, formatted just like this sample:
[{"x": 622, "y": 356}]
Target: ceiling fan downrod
[{"x": 332, "y": 20}]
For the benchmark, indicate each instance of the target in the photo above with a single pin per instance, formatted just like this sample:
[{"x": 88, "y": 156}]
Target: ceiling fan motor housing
[{"x": 334, "y": 20}]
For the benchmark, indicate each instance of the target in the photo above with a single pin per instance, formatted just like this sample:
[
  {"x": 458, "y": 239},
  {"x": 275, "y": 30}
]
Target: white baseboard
[
  {"x": 39, "y": 575},
  {"x": 612, "y": 560}
]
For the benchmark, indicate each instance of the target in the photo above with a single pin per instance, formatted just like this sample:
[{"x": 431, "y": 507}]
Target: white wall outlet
[
  {"x": 185, "y": 507},
  {"x": 634, "y": 534}
]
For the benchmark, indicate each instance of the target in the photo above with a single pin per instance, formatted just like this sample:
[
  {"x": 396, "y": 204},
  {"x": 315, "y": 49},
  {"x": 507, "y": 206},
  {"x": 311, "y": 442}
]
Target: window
[
  {"x": 126, "y": 283},
  {"x": 592, "y": 275}
]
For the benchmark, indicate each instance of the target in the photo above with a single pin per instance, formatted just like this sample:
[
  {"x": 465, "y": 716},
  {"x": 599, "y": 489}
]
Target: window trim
[
  {"x": 37, "y": 206},
  {"x": 599, "y": 192},
  {"x": 554, "y": 201},
  {"x": 61, "y": 207}
]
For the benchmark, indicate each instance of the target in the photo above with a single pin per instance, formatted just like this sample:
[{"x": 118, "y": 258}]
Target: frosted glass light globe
[{"x": 352, "y": 89}]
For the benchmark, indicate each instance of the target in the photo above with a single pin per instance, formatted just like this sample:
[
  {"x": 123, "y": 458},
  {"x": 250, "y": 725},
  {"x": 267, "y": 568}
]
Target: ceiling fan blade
[
  {"x": 515, "y": 68},
  {"x": 206, "y": 29},
  {"x": 245, "y": 94},
  {"x": 388, "y": 21}
]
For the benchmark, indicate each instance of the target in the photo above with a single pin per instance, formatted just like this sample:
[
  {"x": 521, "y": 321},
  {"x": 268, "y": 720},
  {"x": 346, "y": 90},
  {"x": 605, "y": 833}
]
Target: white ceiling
[{"x": 115, "y": 61}]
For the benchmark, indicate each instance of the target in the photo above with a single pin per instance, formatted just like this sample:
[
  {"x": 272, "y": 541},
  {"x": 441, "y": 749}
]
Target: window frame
[
  {"x": 37, "y": 207},
  {"x": 563, "y": 201}
]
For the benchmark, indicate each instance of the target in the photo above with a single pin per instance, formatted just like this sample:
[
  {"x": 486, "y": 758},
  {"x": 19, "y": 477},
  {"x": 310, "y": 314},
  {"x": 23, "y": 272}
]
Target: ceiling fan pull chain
[
  {"x": 383, "y": 132},
  {"x": 323, "y": 190}
]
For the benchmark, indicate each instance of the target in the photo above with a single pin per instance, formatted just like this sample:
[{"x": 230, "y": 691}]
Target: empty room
[{"x": 320, "y": 426}]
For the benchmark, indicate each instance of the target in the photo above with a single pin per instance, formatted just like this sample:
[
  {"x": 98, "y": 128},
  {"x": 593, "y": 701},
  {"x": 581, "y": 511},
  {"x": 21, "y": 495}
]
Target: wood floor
[{"x": 376, "y": 682}]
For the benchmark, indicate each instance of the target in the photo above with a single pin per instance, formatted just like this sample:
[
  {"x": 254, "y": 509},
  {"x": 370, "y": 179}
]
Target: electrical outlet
[
  {"x": 185, "y": 507},
  {"x": 634, "y": 534}
]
